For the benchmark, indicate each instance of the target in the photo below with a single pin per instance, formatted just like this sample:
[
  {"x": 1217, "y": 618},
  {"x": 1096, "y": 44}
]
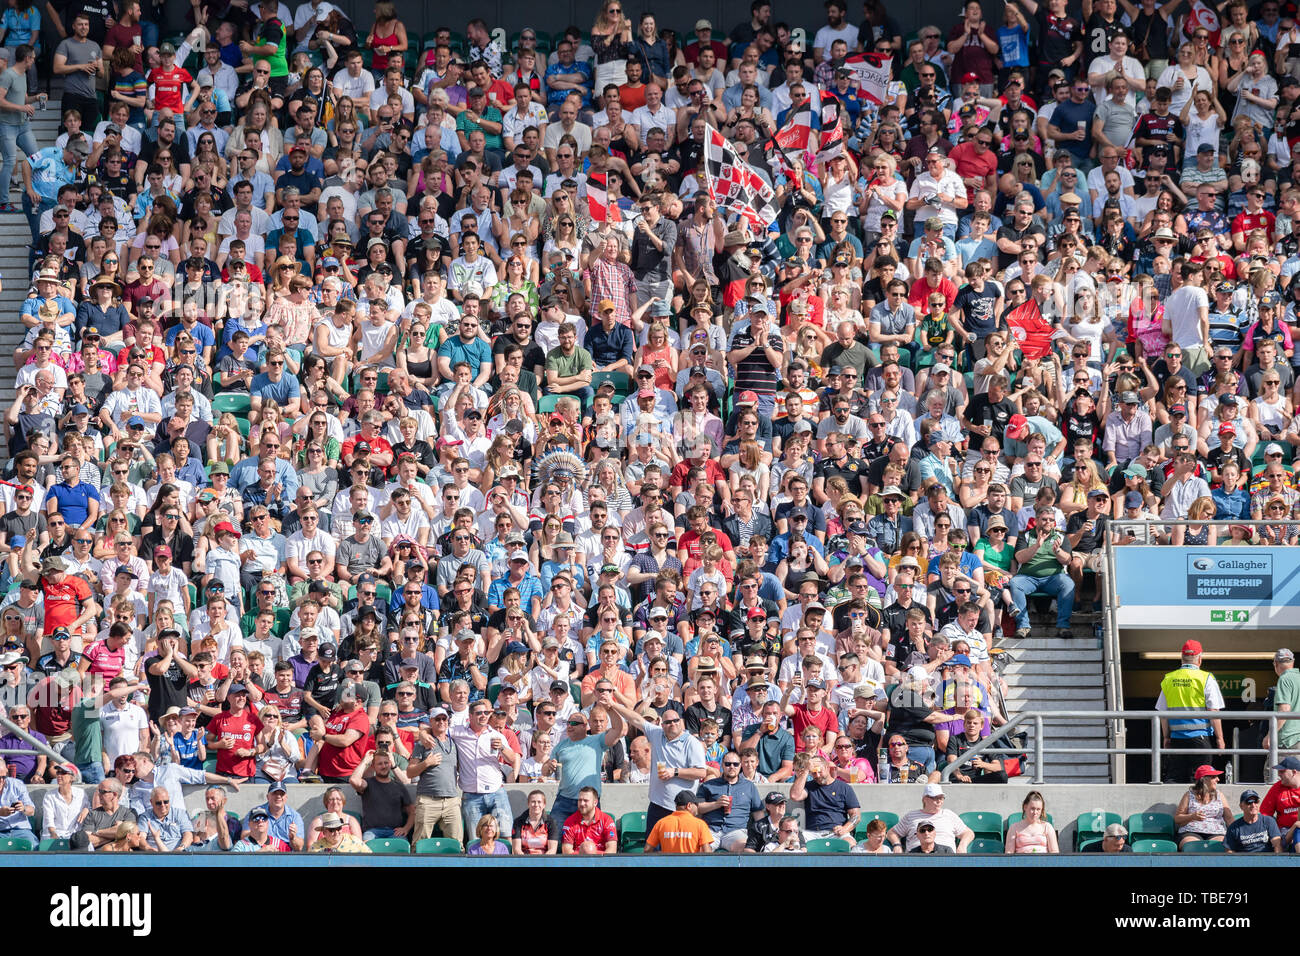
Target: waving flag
[
  {"x": 1032, "y": 332},
  {"x": 598, "y": 204},
  {"x": 732, "y": 184},
  {"x": 871, "y": 73},
  {"x": 832, "y": 136},
  {"x": 792, "y": 142}
]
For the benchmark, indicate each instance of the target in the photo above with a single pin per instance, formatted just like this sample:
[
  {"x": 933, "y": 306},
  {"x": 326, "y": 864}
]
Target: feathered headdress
[{"x": 551, "y": 465}]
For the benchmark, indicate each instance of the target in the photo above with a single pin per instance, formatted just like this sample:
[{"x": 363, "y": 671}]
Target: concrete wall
[
  {"x": 513, "y": 15},
  {"x": 1065, "y": 802}
]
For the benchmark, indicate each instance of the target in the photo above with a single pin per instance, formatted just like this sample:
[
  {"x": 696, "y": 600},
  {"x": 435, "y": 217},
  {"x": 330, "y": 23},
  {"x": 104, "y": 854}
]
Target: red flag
[
  {"x": 832, "y": 134},
  {"x": 1033, "y": 333},
  {"x": 792, "y": 141},
  {"x": 871, "y": 73},
  {"x": 598, "y": 205}
]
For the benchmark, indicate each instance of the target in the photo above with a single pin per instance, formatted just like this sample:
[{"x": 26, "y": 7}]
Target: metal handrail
[
  {"x": 1156, "y": 750},
  {"x": 38, "y": 746}
]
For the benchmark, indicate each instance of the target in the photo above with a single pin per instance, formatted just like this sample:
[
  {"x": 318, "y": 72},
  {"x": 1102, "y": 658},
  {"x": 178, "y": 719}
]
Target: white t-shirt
[
  {"x": 121, "y": 729},
  {"x": 1183, "y": 309}
]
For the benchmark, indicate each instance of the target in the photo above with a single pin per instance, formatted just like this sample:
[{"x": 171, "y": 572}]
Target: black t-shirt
[
  {"x": 1056, "y": 38},
  {"x": 696, "y": 714},
  {"x": 165, "y": 690},
  {"x": 179, "y": 148},
  {"x": 1091, "y": 540},
  {"x": 1077, "y": 425},
  {"x": 1098, "y": 34},
  {"x": 907, "y": 713},
  {"x": 323, "y": 686},
  {"x": 851, "y": 470},
  {"x": 981, "y": 409},
  {"x": 1009, "y": 231},
  {"x": 384, "y": 804},
  {"x": 534, "y": 355}
]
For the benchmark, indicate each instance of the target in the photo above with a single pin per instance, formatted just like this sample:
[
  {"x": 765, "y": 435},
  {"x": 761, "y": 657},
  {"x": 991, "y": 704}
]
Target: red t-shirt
[
  {"x": 823, "y": 720},
  {"x": 63, "y": 601},
  {"x": 341, "y": 761},
  {"x": 169, "y": 88},
  {"x": 690, "y": 543},
  {"x": 378, "y": 444},
  {"x": 156, "y": 355},
  {"x": 599, "y": 831},
  {"x": 1282, "y": 803},
  {"x": 241, "y": 728},
  {"x": 1248, "y": 222},
  {"x": 712, "y": 473}
]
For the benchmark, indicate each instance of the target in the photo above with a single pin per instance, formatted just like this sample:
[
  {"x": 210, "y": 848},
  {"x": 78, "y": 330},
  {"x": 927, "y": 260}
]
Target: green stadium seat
[
  {"x": 53, "y": 845},
  {"x": 622, "y": 383},
  {"x": 15, "y": 845},
  {"x": 438, "y": 846},
  {"x": 1198, "y": 846},
  {"x": 389, "y": 845},
  {"x": 546, "y": 404},
  {"x": 829, "y": 846},
  {"x": 1155, "y": 846},
  {"x": 631, "y": 831},
  {"x": 888, "y": 818},
  {"x": 429, "y": 40},
  {"x": 1086, "y": 844},
  {"x": 1150, "y": 826},
  {"x": 1090, "y": 825},
  {"x": 232, "y": 402},
  {"x": 985, "y": 846},
  {"x": 987, "y": 825}
]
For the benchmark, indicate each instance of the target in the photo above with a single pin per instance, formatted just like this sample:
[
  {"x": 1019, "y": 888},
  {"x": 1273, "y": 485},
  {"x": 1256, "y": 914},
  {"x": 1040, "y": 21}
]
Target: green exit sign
[{"x": 1229, "y": 617}]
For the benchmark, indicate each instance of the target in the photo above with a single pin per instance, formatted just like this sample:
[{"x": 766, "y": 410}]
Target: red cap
[
  {"x": 1017, "y": 428},
  {"x": 1227, "y": 428},
  {"x": 756, "y": 612},
  {"x": 1191, "y": 647},
  {"x": 226, "y": 526},
  {"x": 1205, "y": 770},
  {"x": 970, "y": 78},
  {"x": 747, "y": 397},
  {"x": 163, "y": 550}
]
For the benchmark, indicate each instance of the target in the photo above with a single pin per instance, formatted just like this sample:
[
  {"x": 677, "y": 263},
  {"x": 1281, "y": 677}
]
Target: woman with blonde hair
[
  {"x": 885, "y": 192},
  {"x": 1074, "y": 493},
  {"x": 1199, "y": 534},
  {"x": 611, "y": 41},
  {"x": 659, "y": 353}
]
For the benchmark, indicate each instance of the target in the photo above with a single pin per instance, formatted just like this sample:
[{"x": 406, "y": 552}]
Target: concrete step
[
  {"x": 1081, "y": 679},
  {"x": 1037, "y": 643},
  {"x": 1084, "y": 670}
]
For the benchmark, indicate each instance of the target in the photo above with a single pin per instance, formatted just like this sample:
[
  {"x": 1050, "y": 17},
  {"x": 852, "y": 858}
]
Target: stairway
[
  {"x": 14, "y": 237},
  {"x": 1058, "y": 674}
]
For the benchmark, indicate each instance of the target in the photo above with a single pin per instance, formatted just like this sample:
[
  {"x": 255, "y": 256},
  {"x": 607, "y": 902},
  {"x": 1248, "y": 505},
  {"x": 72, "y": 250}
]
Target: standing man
[
  {"x": 1286, "y": 699},
  {"x": 80, "y": 61},
  {"x": 1189, "y": 688},
  {"x": 578, "y": 757},
  {"x": 653, "y": 242},
  {"x": 481, "y": 752},
  {"x": 16, "y": 112},
  {"x": 437, "y": 798},
  {"x": 676, "y": 758},
  {"x": 1187, "y": 318},
  {"x": 45, "y": 173}
]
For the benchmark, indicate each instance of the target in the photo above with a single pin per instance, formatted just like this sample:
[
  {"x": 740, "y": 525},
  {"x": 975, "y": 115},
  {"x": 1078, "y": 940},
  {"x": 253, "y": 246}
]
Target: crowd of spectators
[{"x": 359, "y": 436}]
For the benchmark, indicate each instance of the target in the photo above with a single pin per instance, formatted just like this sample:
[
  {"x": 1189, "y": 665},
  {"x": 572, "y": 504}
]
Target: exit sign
[{"x": 1229, "y": 617}]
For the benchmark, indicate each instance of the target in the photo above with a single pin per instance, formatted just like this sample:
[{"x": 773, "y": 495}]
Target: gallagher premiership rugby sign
[{"x": 1195, "y": 587}]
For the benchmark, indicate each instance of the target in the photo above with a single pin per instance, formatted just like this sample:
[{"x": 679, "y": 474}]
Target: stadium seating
[
  {"x": 984, "y": 824},
  {"x": 1155, "y": 846},
  {"x": 986, "y": 846},
  {"x": 1204, "y": 846},
  {"x": 631, "y": 832},
  {"x": 438, "y": 846},
  {"x": 829, "y": 846},
  {"x": 1150, "y": 826},
  {"x": 1094, "y": 824},
  {"x": 389, "y": 845}
]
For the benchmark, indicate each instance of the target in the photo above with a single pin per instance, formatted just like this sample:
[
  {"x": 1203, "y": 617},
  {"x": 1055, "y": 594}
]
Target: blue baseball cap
[
  {"x": 959, "y": 659},
  {"x": 135, "y": 421}
]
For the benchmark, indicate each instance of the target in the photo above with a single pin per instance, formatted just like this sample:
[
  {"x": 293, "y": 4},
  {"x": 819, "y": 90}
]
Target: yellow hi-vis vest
[{"x": 1184, "y": 689}]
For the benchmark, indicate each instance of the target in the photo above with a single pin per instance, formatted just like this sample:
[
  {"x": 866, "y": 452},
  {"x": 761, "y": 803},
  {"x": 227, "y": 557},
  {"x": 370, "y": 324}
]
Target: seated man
[{"x": 832, "y": 808}]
